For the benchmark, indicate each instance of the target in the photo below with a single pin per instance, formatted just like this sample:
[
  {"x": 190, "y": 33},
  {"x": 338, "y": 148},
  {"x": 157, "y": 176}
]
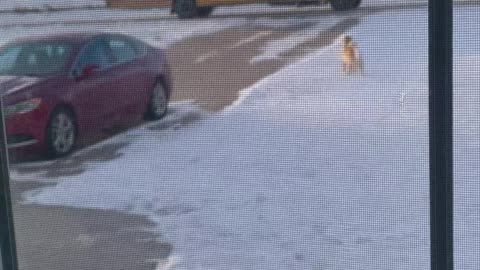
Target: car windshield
[{"x": 34, "y": 59}]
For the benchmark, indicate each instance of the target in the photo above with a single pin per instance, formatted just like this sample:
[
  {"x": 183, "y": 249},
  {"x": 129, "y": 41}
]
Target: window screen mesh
[
  {"x": 295, "y": 137},
  {"x": 466, "y": 48}
]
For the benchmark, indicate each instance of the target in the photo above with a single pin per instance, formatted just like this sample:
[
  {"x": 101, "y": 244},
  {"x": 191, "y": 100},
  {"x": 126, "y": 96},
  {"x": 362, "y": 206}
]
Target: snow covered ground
[
  {"x": 161, "y": 33},
  {"x": 48, "y": 4},
  {"x": 309, "y": 169}
]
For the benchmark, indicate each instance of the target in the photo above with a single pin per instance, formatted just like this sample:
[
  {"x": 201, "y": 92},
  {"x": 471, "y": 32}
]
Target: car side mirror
[{"x": 88, "y": 70}]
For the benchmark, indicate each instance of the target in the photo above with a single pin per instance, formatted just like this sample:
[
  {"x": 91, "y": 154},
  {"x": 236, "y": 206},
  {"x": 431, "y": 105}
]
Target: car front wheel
[
  {"x": 61, "y": 133},
  {"x": 158, "y": 104}
]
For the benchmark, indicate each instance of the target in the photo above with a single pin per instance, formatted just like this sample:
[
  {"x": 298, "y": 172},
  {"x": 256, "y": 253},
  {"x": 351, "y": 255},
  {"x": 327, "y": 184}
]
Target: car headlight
[{"x": 22, "y": 107}]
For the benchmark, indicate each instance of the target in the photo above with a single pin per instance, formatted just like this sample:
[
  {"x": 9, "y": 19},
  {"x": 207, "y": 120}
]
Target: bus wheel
[
  {"x": 204, "y": 11},
  {"x": 186, "y": 9},
  {"x": 356, "y": 3},
  {"x": 343, "y": 5}
]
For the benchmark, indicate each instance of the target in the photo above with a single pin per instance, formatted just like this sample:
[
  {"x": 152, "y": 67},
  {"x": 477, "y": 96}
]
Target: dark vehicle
[
  {"x": 203, "y": 8},
  {"x": 55, "y": 89}
]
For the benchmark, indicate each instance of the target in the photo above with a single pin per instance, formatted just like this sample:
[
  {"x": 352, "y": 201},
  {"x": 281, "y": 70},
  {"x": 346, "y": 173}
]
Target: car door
[
  {"x": 94, "y": 87},
  {"x": 135, "y": 82}
]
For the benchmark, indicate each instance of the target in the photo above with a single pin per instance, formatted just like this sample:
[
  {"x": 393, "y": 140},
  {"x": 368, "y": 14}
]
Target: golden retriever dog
[{"x": 351, "y": 60}]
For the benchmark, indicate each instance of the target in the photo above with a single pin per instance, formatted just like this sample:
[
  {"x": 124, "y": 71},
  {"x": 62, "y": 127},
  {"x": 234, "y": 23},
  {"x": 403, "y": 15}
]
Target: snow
[
  {"x": 161, "y": 33},
  {"x": 80, "y": 16},
  {"x": 275, "y": 48},
  {"x": 309, "y": 169},
  {"x": 48, "y": 4}
]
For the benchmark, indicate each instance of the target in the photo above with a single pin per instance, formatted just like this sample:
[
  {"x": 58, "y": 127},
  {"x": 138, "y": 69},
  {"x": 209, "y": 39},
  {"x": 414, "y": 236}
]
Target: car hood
[{"x": 11, "y": 84}]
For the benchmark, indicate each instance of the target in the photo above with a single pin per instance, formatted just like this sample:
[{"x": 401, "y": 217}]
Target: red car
[{"x": 57, "y": 88}]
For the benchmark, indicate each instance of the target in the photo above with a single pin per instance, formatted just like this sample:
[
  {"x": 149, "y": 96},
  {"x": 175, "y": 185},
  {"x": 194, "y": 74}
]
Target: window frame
[
  {"x": 440, "y": 76},
  {"x": 440, "y": 136}
]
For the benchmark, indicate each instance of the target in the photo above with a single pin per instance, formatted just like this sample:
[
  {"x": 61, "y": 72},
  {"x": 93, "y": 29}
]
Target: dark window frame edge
[
  {"x": 7, "y": 232},
  {"x": 440, "y": 28}
]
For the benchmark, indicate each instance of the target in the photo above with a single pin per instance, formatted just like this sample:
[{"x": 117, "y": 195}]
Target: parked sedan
[{"x": 56, "y": 89}]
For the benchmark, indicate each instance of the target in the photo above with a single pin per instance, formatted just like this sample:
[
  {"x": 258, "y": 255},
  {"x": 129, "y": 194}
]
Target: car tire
[
  {"x": 186, "y": 9},
  {"x": 158, "y": 104},
  {"x": 356, "y": 4},
  {"x": 344, "y": 5},
  {"x": 204, "y": 11},
  {"x": 61, "y": 133}
]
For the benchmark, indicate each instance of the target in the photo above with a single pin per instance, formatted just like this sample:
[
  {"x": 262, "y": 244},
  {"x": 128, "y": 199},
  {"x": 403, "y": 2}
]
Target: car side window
[
  {"x": 8, "y": 58},
  {"x": 122, "y": 50},
  {"x": 95, "y": 53}
]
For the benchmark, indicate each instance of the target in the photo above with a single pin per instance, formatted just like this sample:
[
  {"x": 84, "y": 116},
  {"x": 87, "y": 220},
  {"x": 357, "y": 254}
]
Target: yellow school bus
[{"x": 202, "y": 8}]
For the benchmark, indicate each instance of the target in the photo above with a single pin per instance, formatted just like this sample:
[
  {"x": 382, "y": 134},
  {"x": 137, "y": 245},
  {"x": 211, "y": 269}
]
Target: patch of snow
[
  {"x": 20, "y": 5},
  {"x": 251, "y": 39},
  {"x": 107, "y": 16},
  {"x": 161, "y": 33},
  {"x": 275, "y": 48}
]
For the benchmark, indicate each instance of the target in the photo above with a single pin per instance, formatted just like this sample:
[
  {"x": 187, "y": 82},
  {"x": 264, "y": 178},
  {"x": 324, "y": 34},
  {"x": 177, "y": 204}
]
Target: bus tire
[
  {"x": 185, "y": 9},
  {"x": 204, "y": 11},
  {"x": 343, "y": 5}
]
